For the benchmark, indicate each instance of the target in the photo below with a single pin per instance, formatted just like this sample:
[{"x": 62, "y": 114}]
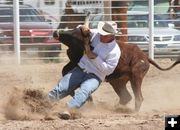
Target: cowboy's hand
[
  {"x": 85, "y": 30},
  {"x": 90, "y": 54}
]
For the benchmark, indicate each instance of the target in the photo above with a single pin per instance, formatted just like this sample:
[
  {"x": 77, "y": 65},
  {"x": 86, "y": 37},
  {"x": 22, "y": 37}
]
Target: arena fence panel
[{"x": 38, "y": 19}]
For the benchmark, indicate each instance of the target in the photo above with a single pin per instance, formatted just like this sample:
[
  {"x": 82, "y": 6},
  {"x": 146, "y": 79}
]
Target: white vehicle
[{"x": 166, "y": 38}]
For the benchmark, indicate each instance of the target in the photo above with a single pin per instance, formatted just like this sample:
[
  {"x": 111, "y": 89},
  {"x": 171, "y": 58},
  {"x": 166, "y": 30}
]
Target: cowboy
[{"x": 92, "y": 67}]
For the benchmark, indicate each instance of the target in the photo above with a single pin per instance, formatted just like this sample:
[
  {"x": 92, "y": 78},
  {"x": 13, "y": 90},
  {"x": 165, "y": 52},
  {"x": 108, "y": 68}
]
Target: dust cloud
[
  {"x": 24, "y": 91},
  {"x": 26, "y": 105}
]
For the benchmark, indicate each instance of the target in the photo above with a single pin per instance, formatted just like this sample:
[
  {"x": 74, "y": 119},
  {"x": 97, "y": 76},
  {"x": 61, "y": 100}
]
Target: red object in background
[{"x": 35, "y": 31}]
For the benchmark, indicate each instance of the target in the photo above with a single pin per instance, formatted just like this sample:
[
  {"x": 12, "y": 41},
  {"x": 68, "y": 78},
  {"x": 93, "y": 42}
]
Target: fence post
[
  {"x": 16, "y": 30},
  {"x": 151, "y": 29},
  {"x": 107, "y": 10}
]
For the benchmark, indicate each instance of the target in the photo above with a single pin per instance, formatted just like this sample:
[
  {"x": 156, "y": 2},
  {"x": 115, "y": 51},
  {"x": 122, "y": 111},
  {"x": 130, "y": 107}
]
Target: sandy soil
[{"x": 23, "y": 104}]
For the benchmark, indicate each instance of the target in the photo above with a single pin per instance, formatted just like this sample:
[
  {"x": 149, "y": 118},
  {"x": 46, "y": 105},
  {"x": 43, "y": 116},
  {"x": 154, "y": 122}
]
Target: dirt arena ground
[{"x": 23, "y": 105}]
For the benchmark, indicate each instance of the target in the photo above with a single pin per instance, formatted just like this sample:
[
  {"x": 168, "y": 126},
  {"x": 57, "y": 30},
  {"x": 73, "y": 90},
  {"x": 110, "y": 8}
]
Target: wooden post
[
  {"x": 119, "y": 15},
  {"x": 107, "y": 10}
]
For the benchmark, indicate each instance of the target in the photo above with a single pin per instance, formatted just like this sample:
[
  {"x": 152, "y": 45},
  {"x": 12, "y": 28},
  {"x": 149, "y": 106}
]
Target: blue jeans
[{"x": 76, "y": 78}]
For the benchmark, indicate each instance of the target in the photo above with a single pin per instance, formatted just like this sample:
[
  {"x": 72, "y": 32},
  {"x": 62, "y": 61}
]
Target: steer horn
[{"x": 86, "y": 22}]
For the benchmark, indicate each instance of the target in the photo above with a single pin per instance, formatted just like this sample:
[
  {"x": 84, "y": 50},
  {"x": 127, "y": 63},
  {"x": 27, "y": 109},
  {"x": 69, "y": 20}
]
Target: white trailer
[
  {"x": 54, "y": 9},
  {"x": 83, "y": 6},
  {"x": 51, "y": 9}
]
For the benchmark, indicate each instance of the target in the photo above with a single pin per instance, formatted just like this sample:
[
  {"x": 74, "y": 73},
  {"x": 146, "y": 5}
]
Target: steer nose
[{"x": 56, "y": 34}]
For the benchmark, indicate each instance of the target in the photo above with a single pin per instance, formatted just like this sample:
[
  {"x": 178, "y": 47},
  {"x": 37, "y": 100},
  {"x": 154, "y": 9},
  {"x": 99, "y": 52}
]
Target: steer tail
[{"x": 163, "y": 69}]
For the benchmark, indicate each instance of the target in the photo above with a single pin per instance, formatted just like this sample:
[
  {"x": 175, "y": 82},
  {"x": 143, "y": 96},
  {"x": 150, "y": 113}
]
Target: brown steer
[{"x": 132, "y": 66}]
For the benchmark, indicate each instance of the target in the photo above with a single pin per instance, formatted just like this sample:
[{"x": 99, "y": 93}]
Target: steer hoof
[{"x": 123, "y": 109}]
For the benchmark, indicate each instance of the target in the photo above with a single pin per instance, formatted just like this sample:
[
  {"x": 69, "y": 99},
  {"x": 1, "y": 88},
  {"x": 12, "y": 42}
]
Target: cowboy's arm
[{"x": 88, "y": 52}]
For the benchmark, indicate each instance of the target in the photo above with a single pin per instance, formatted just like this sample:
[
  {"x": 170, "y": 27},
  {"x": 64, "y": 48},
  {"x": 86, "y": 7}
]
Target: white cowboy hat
[{"x": 107, "y": 28}]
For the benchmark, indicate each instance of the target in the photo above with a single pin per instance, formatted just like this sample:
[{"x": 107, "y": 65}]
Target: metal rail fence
[{"x": 33, "y": 25}]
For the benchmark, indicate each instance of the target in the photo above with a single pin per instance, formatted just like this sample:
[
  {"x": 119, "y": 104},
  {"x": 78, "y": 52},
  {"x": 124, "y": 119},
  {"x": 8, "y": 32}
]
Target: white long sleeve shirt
[{"x": 107, "y": 57}]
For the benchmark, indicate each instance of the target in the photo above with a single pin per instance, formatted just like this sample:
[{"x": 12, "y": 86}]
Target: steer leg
[
  {"x": 136, "y": 86},
  {"x": 136, "y": 82},
  {"x": 138, "y": 72},
  {"x": 119, "y": 86}
]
